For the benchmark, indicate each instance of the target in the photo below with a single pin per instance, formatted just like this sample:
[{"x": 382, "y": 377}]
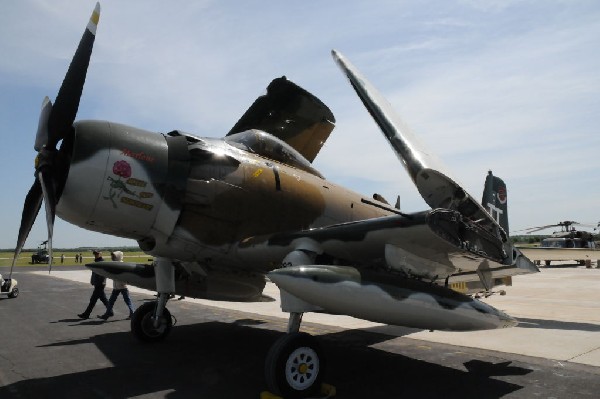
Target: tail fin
[{"x": 495, "y": 200}]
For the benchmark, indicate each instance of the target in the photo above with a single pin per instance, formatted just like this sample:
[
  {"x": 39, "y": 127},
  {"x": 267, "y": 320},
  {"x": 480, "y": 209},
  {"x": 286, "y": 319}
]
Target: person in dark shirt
[{"x": 98, "y": 282}]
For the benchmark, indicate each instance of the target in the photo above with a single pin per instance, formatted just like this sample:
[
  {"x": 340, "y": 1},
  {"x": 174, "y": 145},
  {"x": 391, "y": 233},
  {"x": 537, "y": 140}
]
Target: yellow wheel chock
[{"x": 327, "y": 390}]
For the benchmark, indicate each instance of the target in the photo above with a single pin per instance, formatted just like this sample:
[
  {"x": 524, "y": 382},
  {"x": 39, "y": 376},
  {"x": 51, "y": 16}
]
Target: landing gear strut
[
  {"x": 295, "y": 363},
  {"x": 152, "y": 321}
]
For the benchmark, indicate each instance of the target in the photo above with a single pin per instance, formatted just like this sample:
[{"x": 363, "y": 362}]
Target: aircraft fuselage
[{"x": 192, "y": 199}]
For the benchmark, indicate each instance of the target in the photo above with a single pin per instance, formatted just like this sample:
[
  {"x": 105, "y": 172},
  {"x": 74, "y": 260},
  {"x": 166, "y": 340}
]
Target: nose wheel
[{"x": 294, "y": 366}]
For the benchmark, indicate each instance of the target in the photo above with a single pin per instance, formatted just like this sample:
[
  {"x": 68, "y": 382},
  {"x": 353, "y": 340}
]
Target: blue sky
[{"x": 511, "y": 86}]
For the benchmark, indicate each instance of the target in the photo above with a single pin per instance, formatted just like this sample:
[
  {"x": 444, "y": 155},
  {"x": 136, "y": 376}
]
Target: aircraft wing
[
  {"x": 190, "y": 279},
  {"x": 433, "y": 245},
  {"x": 291, "y": 114},
  {"x": 435, "y": 183}
]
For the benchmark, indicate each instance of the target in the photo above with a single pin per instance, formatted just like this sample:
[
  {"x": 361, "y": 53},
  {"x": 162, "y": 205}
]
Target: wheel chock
[
  {"x": 327, "y": 390},
  {"x": 269, "y": 395}
]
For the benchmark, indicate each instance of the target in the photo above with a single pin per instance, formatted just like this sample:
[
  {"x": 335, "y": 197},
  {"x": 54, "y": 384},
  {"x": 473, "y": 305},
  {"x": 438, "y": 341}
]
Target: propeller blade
[
  {"x": 67, "y": 101},
  {"x": 41, "y": 138},
  {"x": 45, "y": 178},
  {"x": 55, "y": 122},
  {"x": 31, "y": 208}
]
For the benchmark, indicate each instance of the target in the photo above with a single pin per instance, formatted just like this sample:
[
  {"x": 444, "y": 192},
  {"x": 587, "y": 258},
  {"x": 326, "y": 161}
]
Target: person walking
[
  {"x": 98, "y": 282},
  {"x": 119, "y": 287}
]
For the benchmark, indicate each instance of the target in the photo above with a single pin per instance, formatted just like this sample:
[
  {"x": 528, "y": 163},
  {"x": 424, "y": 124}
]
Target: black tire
[
  {"x": 295, "y": 366},
  {"x": 143, "y": 327},
  {"x": 547, "y": 263},
  {"x": 14, "y": 293}
]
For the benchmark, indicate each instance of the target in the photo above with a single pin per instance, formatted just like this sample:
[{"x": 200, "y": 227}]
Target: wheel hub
[
  {"x": 148, "y": 326},
  {"x": 302, "y": 368}
]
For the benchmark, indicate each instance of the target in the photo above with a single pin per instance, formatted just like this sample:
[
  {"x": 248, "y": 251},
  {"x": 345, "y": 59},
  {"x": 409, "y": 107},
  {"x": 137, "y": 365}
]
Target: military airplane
[
  {"x": 564, "y": 245},
  {"x": 223, "y": 216}
]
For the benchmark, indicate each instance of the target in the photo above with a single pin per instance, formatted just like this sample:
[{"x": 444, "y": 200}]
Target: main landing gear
[
  {"x": 152, "y": 321},
  {"x": 295, "y": 363},
  {"x": 148, "y": 324}
]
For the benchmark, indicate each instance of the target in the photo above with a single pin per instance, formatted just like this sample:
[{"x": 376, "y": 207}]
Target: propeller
[{"x": 55, "y": 125}]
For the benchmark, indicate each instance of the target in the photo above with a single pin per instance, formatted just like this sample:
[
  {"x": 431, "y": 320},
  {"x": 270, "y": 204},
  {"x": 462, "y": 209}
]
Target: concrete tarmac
[{"x": 217, "y": 350}]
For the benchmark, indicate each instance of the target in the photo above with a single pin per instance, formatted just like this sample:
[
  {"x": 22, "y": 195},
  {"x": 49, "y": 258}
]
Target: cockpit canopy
[{"x": 269, "y": 146}]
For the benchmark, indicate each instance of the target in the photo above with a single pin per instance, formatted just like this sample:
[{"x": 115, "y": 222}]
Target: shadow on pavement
[
  {"x": 226, "y": 360},
  {"x": 558, "y": 325},
  {"x": 494, "y": 369}
]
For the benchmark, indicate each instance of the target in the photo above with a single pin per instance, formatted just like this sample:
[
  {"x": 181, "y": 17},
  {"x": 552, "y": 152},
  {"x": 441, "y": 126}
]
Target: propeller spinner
[{"x": 56, "y": 125}]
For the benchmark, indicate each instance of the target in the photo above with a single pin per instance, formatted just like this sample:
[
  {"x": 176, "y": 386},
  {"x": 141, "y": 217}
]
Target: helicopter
[{"x": 566, "y": 244}]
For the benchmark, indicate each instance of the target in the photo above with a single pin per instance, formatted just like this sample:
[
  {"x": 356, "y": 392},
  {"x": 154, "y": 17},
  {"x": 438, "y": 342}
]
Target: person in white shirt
[{"x": 119, "y": 287}]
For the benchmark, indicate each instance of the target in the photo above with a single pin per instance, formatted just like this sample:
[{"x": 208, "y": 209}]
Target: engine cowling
[{"x": 124, "y": 181}]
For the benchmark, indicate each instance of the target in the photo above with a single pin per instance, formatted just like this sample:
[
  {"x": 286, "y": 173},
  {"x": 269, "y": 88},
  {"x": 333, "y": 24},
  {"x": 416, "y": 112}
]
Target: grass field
[{"x": 88, "y": 257}]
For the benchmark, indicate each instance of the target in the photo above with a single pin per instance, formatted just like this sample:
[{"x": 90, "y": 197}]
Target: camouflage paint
[
  {"x": 388, "y": 298},
  {"x": 124, "y": 171}
]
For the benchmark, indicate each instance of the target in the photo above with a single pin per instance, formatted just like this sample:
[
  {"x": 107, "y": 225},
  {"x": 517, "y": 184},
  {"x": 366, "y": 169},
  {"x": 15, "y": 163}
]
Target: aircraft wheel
[
  {"x": 14, "y": 293},
  {"x": 142, "y": 325},
  {"x": 295, "y": 366},
  {"x": 547, "y": 263}
]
